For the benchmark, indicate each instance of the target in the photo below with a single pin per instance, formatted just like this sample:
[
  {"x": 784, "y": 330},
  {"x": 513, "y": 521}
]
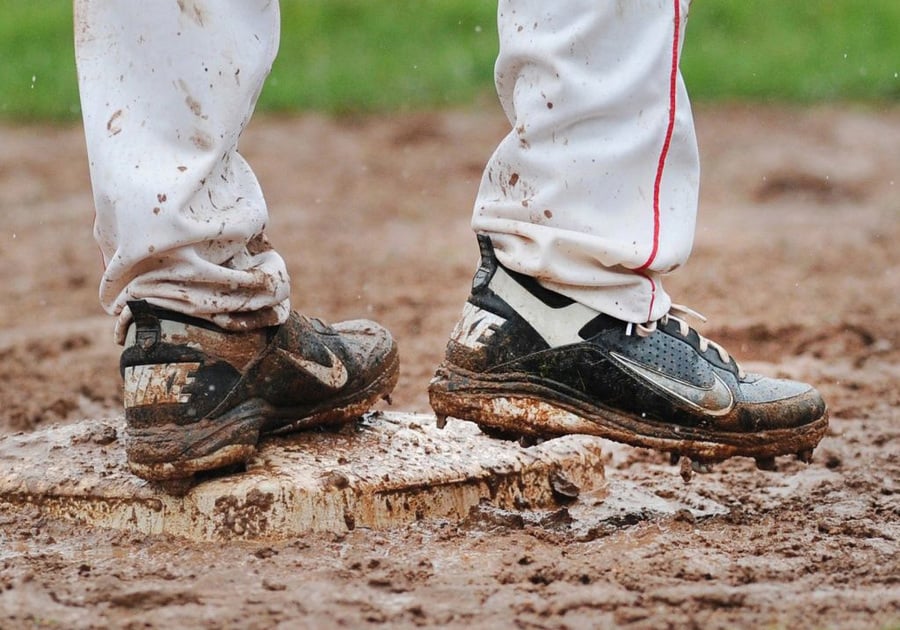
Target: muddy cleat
[
  {"x": 525, "y": 360},
  {"x": 198, "y": 397}
]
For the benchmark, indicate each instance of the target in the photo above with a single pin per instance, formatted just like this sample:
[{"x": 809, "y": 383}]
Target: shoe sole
[
  {"x": 231, "y": 439},
  {"x": 526, "y": 410}
]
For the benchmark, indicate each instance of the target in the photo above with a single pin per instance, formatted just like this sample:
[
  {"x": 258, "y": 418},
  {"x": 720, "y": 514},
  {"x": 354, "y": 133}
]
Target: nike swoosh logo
[
  {"x": 333, "y": 376},
  {"x": 715, "y": 400}
]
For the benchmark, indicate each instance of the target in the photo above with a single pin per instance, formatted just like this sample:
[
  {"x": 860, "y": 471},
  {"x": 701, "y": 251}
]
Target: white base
[{"x": 391, "y": 469}]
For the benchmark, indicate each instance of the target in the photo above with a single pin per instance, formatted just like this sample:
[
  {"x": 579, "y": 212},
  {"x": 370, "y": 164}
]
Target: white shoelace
[{"x": 678, "y": 313}]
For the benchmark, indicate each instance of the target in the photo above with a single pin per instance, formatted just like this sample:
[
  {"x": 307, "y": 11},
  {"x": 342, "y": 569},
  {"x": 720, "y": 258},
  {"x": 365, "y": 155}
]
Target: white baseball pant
[{"x": 594, "y": 190}]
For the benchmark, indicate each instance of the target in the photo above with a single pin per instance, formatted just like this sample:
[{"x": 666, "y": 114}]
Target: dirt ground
[{"x": 796, "y": 264}]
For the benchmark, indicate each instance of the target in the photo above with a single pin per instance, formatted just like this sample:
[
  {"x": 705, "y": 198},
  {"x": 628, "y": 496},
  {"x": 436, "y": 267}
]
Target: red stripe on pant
[{"x": 663, "y": 155}]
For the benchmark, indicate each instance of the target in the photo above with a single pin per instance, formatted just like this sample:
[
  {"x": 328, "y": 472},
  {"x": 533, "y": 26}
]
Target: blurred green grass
[
  {"x": 375, "y": 55},
  {"x": 796, "y": 51}
]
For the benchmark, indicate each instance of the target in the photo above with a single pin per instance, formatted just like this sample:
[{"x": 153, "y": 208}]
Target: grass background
[{"x": 384, "y": 55}]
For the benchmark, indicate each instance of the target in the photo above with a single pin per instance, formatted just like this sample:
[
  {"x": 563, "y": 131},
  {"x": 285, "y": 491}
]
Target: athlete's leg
[
  {"x": 166, "y": 89},
  {"x": 594, "y": 190},
  {"x": 213, "y": 357},
  {"x": 587, "y": 201}
]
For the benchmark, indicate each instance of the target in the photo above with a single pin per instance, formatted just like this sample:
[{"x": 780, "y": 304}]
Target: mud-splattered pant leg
[
  {"x": 594, "y": 190},
  {"x": 166, "y": 89}
]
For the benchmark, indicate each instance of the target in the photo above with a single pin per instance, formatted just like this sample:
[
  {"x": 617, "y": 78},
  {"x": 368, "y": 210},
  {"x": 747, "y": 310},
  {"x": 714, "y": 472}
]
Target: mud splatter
[
  {"x": 114, "y": 125},
  {"x": 808, "y": 545},
  {"x": 193, "y": 10}
]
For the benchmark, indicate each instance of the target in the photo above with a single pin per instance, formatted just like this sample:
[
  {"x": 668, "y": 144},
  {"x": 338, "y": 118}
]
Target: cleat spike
[
  {"x": 766, "y": 463},
  {"x": 441, "y": 421},
  {"x": 687, "y": 469},
  {"x": 674, "y": 457},
  {"x": 805, "y": 456},
  {"x": 527, "y": 440},
  {"x": 388, "y": 399}
]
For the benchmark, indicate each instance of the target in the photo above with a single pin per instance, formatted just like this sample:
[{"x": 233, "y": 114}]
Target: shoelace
[{"x": 679, "y": 313}]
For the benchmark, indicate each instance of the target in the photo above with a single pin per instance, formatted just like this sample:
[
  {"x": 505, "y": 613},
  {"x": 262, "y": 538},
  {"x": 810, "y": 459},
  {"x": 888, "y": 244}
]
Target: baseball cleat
[
  {"x": 524, "y": 360},
  {"x": 199, "y": 398}
]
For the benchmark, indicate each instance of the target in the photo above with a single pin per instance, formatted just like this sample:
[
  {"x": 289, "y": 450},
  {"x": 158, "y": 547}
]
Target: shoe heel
[
  {"x": 169, "y": 471},
  {"x": 166, "y": 450}
]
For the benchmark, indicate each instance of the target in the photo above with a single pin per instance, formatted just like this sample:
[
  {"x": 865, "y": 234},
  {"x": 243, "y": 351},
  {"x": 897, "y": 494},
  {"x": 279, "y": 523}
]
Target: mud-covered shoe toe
[
  {"x": 778, "y": 403},
  {"x": 371, "y": 342}
]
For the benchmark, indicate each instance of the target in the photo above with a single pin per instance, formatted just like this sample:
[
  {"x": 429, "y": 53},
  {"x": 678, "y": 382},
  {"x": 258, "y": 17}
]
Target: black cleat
[
  {"x": 526, "y": 360},
  {"x": 198, "y": 397}
]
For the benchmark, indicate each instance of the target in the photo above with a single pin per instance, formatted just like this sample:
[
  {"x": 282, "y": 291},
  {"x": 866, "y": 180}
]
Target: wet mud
[{"x": 795, "y": 264}]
